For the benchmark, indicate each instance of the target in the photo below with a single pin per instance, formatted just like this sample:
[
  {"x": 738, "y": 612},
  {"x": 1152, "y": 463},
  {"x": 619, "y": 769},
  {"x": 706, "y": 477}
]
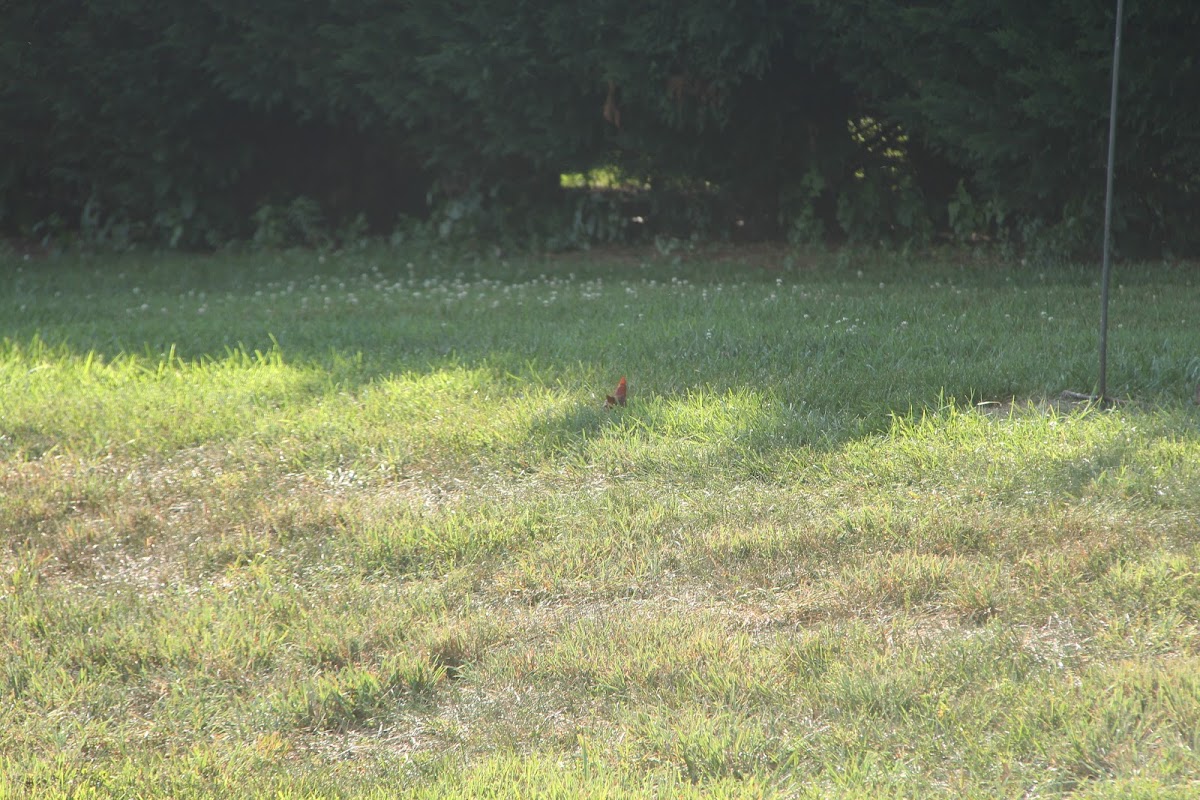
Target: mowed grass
[{"x": 360, "y": 526}]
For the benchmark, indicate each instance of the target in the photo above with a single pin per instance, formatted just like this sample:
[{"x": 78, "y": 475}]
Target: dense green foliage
[
  {"x": 1014, "y": 97},
  {"x": 192, "y": 123}
]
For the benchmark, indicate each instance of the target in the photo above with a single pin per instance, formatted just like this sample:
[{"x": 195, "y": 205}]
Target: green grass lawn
[{"x": 360, "y": 526}]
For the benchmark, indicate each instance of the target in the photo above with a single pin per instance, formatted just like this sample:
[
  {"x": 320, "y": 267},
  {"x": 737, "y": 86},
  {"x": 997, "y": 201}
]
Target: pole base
[{"x": 1098, "y": 399}]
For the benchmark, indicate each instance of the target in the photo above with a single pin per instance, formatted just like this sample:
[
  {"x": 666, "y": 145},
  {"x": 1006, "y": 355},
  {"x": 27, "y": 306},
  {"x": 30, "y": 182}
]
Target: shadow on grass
[{"x": 745, "y": 389}]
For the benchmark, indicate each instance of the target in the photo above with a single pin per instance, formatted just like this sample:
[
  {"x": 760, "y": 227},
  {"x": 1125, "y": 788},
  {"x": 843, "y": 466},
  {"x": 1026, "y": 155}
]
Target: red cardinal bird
[{"x": 617, "y": 399}]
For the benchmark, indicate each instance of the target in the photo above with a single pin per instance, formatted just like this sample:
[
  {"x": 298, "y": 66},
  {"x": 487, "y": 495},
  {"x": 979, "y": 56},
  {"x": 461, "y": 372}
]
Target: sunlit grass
[{"x": 337, "y": 528}]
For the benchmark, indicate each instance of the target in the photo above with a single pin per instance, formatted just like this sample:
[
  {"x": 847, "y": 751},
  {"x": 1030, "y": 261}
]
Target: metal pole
[{"x": 1106, "y": 268}]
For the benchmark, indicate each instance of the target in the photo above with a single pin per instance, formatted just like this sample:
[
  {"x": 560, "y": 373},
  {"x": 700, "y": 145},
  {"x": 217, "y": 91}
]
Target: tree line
[{"x": 903, "y": 121}]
